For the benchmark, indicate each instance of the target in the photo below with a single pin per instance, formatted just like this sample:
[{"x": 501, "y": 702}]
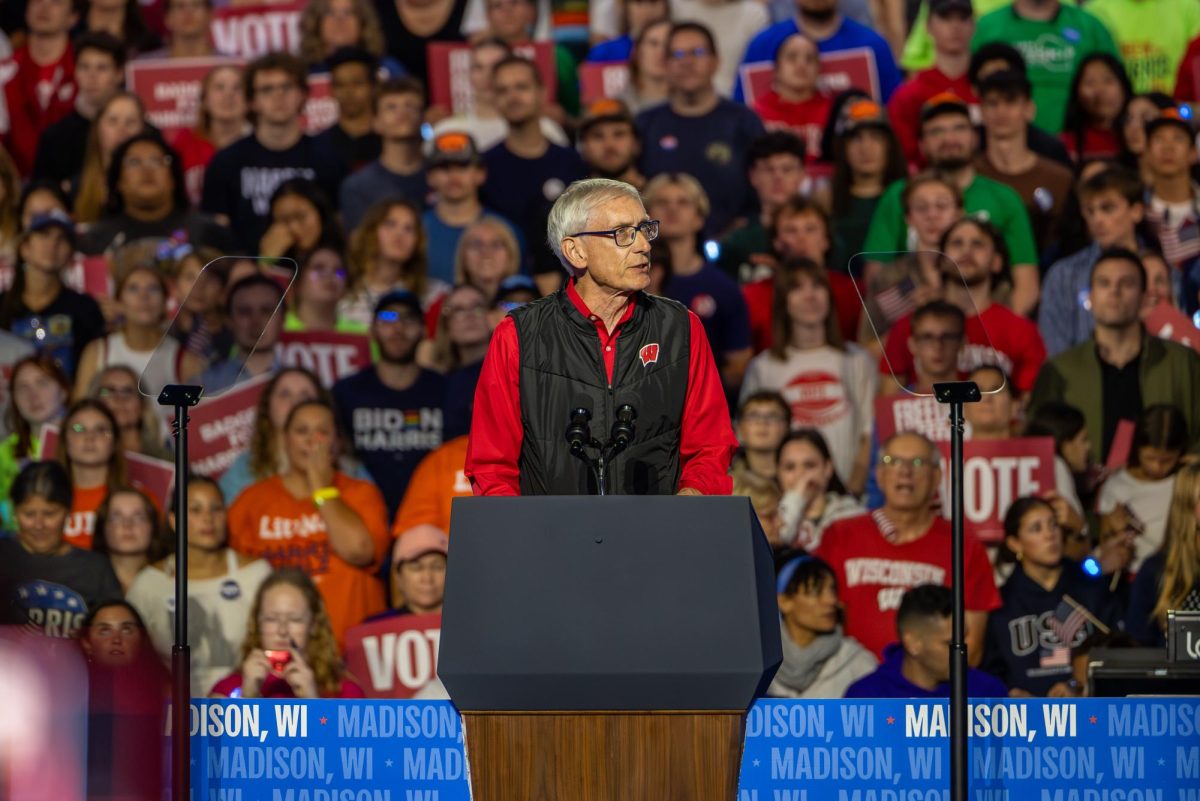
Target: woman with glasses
[
  {"x": 289, "y": 650},
  {"x": 317, "y": 295},
  {"x": 313, "y": 517},
  {"x": 462, "y": 334},
  {"x": 45, "y": 582},
  {"x": 140, "y": 429},
  {"x": 130, "y": 533},
  {"x": 222, "y": 585},
  {"x": 88, "y": 449},
  {"x": 138, "y": 342},
  {"x": 387, "y": 251}
]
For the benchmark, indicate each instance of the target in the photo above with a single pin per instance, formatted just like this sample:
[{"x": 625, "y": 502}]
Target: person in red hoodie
[
  {"x": 42, "y": 91},
  {"x": 951, "y": 25},
  {"x": 793, "y": 101}
]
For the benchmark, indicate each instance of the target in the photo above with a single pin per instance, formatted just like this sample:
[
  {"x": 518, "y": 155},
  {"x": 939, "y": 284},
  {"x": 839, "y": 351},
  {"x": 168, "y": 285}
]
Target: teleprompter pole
[
  {"x": 181, "y": 397},
  {"x": 955, "y": 394}
]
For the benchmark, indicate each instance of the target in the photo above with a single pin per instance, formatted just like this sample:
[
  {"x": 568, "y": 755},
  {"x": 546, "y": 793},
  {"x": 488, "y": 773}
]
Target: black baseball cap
[
  {"x": 942, "y": 8},
  {"x": 400, "y": 297}
]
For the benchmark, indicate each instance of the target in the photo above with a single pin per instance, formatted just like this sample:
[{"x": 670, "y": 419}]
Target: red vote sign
[
  {"x": 330, "y": 355},
  {"x": 252, "y": 31},
  {"x": 394, "y": 657},
  {"x": 221, "y": 427},
  {"x": 996, "y": 473}
]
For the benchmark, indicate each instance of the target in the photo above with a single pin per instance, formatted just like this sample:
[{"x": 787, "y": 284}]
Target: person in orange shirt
[
  {"x": 88, "y": 449},
  {"x": 434, "y": 485},
  {"x": 312, "y": 517}
]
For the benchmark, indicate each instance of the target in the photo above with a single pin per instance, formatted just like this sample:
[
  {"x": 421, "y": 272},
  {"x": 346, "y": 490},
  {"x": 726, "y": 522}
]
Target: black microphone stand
[
  {"x": 182, "y": 397},
  {"x": 955, "y": 394}
]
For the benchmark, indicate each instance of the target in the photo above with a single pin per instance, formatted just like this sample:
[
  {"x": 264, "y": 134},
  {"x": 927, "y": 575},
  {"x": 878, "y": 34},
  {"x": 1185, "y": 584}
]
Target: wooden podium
[{"x": 607, "y": 649}]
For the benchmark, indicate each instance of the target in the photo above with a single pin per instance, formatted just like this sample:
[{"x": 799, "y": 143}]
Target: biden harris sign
[{"x": 893, "y": 750}]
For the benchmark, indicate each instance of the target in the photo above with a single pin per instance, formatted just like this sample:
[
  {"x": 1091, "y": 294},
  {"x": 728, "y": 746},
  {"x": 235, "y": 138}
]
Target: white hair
[{"x": 574, "y": 207}]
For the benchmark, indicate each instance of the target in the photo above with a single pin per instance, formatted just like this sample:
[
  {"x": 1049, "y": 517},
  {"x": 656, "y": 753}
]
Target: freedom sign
[
  {"x": 221, "y": 427},
  {"x": 332, "y": 356},
  {"x": 394, "y": 657},
  {"x": 1090, "y": 749},
  {"x": 920, "y": 413},
  {"x": 602, "y": 79}
]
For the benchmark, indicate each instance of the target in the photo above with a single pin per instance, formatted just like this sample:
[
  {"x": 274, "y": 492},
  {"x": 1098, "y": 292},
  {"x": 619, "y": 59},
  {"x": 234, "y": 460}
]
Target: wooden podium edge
[{"x": 601, "y": 755}]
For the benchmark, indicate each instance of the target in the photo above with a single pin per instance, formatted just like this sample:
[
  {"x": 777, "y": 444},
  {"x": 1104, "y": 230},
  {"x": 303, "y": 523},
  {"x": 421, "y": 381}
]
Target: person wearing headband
[{"x": 818, "y": 660}]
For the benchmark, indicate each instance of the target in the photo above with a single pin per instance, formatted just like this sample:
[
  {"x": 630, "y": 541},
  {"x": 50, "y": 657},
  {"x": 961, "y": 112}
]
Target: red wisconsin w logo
[{"x": 648, "y": 354}]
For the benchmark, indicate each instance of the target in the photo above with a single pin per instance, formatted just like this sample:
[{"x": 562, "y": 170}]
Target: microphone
[
  {"x": 623, "y": 428},
  {"x": 579, "y": 432}
]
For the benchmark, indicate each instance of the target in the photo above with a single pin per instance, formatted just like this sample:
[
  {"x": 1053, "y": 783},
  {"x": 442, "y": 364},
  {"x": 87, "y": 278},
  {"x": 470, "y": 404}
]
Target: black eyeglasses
[{"x": 626, "y": 235}]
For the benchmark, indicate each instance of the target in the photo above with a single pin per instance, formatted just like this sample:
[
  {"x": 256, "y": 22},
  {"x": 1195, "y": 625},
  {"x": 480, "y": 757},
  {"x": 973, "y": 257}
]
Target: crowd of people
[{"x": 855, "y": 200}]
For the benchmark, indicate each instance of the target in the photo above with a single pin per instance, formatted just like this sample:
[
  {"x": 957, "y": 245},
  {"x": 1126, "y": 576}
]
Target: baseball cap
[
  {"x": 400, "y": 297},
  {"x": 606, "y": 109},
  {"x": 453, "y": 147},
  {"x": 418, "y": 541},
  {"x": 942, "y": 103},
  {"x": 861, "y": 114},
  {"x": 51, "y": 219},
  {"x": 1171, "y": 116},
  {"x": 944, "y": 7}
]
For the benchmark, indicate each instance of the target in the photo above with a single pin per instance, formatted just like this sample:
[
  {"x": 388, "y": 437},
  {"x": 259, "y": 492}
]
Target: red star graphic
[
  {"x": 324, "y": 720},
  {"x": 890, "y": 720},
  {"x": 1092, "y": 719}
]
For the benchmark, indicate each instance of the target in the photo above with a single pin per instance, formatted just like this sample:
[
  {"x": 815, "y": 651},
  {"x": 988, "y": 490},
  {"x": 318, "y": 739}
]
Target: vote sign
[
  {"x": 332, "y": 356},
  {"x": 996, "y": 473},
  {"x": 394, "y": 657}
]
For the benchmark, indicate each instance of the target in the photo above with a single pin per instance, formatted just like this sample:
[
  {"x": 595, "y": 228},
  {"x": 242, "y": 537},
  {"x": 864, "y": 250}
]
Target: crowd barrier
[{"x": 884, "y": 750}]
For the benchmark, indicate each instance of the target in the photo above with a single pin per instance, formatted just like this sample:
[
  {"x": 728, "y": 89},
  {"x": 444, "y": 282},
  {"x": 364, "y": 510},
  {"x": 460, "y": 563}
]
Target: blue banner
[{"x": 893, "y": 750}]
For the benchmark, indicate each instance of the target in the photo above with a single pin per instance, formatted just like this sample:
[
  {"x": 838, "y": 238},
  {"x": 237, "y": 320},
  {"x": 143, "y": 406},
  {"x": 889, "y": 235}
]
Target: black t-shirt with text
[
  {"x": 52, "y": 593},
  {"x": 241, "y": 178}
]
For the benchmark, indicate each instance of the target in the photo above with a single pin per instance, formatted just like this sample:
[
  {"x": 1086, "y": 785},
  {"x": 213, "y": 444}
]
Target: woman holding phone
[{"x": 289, "y": 650}]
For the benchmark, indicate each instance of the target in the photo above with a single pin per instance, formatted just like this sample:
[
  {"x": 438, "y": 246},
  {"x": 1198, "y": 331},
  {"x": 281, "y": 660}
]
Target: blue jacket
[
  {"x": 1065, "y": 312},
  {"x": 888, "y": 682}
]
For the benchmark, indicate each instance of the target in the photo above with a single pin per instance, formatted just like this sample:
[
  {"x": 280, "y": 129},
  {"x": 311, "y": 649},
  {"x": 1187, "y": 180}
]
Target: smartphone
[{"x": 279, "y": 660}]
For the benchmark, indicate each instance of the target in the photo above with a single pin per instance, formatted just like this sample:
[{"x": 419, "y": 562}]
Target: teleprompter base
[{"x": 604, "y": 756}]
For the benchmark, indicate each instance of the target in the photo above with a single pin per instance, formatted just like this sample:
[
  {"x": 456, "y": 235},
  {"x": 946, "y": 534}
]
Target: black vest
[{"x": 561, "y": 362}]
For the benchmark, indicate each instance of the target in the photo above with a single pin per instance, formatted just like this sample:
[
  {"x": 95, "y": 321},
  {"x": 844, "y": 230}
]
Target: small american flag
[
  {"x": 897, "y": 301},
  {"x": 1068, "y": 619},
  {"x": 1059, "y": 656}
]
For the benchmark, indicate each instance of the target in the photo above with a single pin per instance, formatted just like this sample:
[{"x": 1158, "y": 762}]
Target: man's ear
[{"x": 574, "y": 252}]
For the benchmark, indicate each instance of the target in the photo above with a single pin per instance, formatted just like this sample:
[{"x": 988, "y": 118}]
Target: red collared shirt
[{"x": 706, "y": 442}]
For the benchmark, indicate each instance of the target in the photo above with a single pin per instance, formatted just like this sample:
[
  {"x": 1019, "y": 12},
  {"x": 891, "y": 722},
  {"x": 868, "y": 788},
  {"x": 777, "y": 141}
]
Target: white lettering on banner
[
  {"x": 252, "y": 35},
  {"x": 236, "y": 428},
  {"x": 329, "y": 361},
  {"x": 286, "y": 528},
  {"x": 923, "y": 415},
  {"x": 408, "y": 656},
  {"x": 80, "y": 524},
  {"x": 991, "y": 484}
]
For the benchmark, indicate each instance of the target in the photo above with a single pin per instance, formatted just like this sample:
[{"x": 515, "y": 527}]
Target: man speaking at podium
[{"x": 596, "y": 357}]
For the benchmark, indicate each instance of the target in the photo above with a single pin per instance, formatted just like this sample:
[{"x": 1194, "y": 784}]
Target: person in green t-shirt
[
  {"x": 1053, "y": 37},
  {"x": 1151, "y": 49},
  {"x": 949, "y": 143},
  {"x": 775, "y": 166}
]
